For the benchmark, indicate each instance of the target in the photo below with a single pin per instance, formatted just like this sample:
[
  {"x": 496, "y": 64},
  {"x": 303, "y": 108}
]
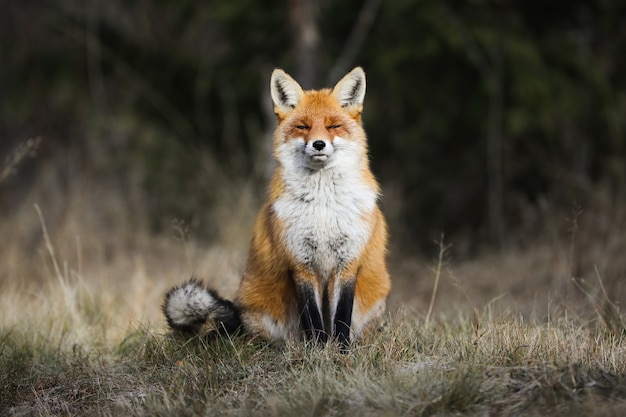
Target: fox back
[{"x": 316, "y": 264}]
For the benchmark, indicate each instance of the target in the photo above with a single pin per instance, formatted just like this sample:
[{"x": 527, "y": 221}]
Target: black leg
[
  {"x": 312, "y": 322},
  {"x": 343, "y": 314}
]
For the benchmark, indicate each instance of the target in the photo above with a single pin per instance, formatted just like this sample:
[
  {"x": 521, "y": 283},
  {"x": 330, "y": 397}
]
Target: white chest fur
[{"x": 323, "y": 214}]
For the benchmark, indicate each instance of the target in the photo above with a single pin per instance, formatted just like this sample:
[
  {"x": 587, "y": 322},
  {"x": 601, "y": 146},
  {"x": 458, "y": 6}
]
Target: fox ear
[
  {"x": 286, "y": 92},
  {"x": 350, "y": 90}
]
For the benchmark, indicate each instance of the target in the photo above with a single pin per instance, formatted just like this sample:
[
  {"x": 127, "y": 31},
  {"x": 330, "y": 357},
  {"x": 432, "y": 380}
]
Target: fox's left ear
[
  {"x": 286, "y": 92},
  {"x": 350, "y": 90}
]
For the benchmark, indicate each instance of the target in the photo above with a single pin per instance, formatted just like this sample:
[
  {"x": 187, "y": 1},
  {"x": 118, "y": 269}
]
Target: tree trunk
[
  {"x": 303, "y": 19},
  {"x": 495, "y": 140}
]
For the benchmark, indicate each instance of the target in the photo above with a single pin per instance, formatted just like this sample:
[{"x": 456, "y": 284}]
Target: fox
[{"x": 316, "y": 267}]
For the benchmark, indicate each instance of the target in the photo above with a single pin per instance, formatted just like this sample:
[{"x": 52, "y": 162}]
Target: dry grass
[
  {"x": 81, "y": 331},
  {"x": 483, "y": 365}
]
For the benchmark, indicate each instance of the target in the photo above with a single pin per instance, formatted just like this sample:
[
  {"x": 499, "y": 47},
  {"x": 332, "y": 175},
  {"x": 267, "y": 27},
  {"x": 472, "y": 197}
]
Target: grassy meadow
[
  {"x": 535, "y": 329},
  {"x": 135, "y": 147}
]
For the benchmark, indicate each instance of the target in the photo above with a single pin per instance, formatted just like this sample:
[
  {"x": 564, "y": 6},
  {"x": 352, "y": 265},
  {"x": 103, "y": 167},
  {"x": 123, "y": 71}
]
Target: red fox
[{"x": 317, "y": 260}]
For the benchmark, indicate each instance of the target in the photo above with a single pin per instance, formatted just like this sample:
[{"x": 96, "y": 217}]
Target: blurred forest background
[{"x": 501, "y": 123}]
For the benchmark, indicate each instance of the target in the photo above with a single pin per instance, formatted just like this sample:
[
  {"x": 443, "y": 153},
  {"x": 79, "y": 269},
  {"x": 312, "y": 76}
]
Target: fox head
[{"x": 319, "y": 128}]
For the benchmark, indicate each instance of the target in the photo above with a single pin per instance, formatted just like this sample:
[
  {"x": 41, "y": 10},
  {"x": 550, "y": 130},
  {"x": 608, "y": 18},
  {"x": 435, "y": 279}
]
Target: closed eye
[
  {"x": 302, "y": 127},
  {"x": 334, "y": 127}
]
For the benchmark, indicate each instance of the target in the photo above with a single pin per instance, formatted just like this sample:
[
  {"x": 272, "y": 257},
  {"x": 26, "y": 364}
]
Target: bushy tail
[{"x": 191, "y": 306}]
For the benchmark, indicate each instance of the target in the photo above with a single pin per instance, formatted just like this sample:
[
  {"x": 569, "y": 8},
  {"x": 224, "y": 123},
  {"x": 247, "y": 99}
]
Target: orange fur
[
  {"x": 268, "y": 286},
  {"x": 316, "y": 264}
]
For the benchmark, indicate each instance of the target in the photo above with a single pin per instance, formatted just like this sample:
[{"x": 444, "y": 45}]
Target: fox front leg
[
  {"x": 310, "y": 307},
  {"x": 343, "y": 304}
]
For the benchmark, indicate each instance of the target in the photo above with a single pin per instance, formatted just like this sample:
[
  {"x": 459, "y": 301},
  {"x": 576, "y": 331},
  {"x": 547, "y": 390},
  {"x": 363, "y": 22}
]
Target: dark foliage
[{"x": 472, "y": 107}]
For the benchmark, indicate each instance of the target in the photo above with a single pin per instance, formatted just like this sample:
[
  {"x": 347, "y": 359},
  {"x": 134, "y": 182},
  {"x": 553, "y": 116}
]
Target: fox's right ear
[
  {"x": 286, "y": 92},
  {"x": 350, "y": 90}
]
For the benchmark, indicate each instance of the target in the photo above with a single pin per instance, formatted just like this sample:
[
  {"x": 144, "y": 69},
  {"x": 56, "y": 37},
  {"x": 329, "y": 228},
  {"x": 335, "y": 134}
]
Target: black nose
[{"x": 319, "y": 145}]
